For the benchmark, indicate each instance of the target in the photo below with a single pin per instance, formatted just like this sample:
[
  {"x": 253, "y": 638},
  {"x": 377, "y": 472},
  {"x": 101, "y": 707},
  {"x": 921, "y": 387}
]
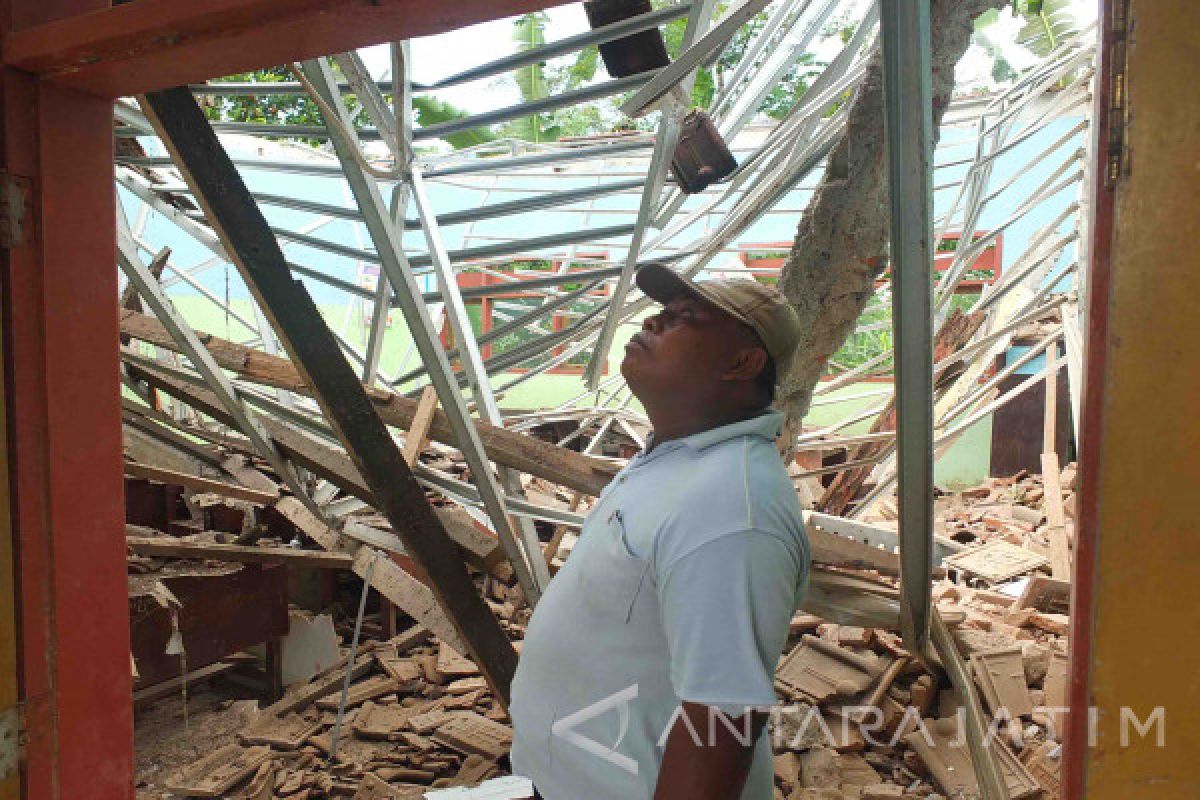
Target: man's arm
[
  {"x": 725, "y": 607},
  {"x": 697, "y": 767}
]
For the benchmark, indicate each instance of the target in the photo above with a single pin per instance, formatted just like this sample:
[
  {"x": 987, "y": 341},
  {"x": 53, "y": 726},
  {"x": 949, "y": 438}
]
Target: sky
[{"x": 436, "y": 57}]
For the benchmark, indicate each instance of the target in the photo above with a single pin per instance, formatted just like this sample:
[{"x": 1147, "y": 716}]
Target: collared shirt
[{"x": 681, "y": 587}]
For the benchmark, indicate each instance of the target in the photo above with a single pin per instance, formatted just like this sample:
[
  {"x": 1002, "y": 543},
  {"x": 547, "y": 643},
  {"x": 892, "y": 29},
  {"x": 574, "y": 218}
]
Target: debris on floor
[
  {"x": 418, "y": 716},
  {"x": 863, "y": 720},
  {"x": 859, "y": 717}
]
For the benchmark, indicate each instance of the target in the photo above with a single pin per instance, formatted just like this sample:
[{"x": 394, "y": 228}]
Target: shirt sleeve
[{"x": 726, "y": 607}]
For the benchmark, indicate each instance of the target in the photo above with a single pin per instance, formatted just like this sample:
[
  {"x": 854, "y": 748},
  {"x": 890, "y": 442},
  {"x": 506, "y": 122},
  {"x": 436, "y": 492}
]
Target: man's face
[{"x": 682, "y": 352}]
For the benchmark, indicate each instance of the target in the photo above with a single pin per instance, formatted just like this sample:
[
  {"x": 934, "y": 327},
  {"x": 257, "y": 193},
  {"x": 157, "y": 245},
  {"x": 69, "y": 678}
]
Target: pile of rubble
[
  {"x": 859, "y": 717},
  {"x": 418, "y": 716},
  {"x": 863, "y": 720},
  {"x": 1015, "y": 510}
]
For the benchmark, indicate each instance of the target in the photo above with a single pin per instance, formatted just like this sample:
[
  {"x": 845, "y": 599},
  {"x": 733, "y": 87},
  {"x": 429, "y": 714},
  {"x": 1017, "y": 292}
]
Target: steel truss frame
[
  {"x": 791, "y": 151},
  {"x": 1039, "y": 283}
]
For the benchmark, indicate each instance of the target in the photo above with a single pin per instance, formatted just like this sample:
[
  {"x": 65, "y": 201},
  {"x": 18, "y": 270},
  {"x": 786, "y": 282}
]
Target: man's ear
[{"x": 747, "y": 363}]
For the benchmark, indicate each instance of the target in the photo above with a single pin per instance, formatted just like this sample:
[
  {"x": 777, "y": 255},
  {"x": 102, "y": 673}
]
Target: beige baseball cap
[{"x": 761, "y": 307}]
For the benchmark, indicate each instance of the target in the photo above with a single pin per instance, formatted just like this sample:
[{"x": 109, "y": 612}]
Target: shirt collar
[{"x": 768, "y": 425}]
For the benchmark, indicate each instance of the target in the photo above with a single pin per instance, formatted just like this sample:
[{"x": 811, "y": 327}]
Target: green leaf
[
  {"x": 1047, "y": 26},
  {"x": 584, "y": 68},
  {"x": 987, "y": 18},
  {"x": 431, "y": 111},
  {"x": 529, "y": 32},
  {"x": 703, "y": 89}
]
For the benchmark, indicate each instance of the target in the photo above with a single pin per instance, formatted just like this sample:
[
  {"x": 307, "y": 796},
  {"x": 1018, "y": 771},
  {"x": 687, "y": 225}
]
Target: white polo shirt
[{"x": 680, "y": 588}]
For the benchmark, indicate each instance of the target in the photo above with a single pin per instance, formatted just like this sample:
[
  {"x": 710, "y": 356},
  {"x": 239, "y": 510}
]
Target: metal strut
[{"x": 908, "y": 118}]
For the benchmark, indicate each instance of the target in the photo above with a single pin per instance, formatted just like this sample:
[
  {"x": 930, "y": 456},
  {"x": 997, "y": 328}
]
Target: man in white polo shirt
[{"x": 649, "y": 662}]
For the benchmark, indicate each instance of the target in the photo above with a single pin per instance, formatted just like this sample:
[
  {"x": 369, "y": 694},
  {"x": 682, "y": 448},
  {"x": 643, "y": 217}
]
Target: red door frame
[
  {"x": 1083, "y": 584},
  {"x": 63, "y": 63}
]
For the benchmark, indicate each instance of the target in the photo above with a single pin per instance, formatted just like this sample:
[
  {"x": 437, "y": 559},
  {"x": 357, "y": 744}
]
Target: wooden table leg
[{"x": 274, "y": 669}]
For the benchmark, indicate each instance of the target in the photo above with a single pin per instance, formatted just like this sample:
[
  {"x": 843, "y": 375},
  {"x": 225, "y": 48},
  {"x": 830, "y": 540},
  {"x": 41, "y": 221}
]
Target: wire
[
  {"x": 334, "y": 123},
  {"x": 362, "y": 607}
]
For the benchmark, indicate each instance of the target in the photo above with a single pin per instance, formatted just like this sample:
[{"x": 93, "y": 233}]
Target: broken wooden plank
[
  {"x": 168, "y": 547},
  {"x": 395, "y": 583},
  {"x": 327, "y": 683},
  {"x": 517, "y": 450},
  {"x": 148, "y": 422},
  {"x": 360, "y": 693},
  {"x": 177, "y": 683},
  {"x": 1056, "y": 519},
  {"x": 1056, "y": 686},
  {"x": 481, "y": 549},
  {"x": 418, "y": 431},
  {"x": 408, "y": 594},
  {"x": 408, "y": 639},
  {"x": 314, "y": 527},
  {"x": 388, "y": 578},
  {"x": 153, "y": 473},
  {"x": 247, "y": 475},
  {"x": 219, "y": 771},
  {"x": 1050, "y": 418}
]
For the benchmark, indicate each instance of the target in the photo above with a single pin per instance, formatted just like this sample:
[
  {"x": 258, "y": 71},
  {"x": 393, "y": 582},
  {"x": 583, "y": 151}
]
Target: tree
[
  {"x": 429, "y": 110},
  {"x": 1047, "y": 23},
  {"x": 709, "y": 80},
  {"x": 299, "y": 109},
  {"x": 841, "y": 240},
  {"x": 274, "y": 109},
  {"x": 537, "y": 81}
]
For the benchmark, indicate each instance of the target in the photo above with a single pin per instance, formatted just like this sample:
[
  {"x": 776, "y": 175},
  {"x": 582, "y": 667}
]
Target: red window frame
[{"x": 558, "y": 321}]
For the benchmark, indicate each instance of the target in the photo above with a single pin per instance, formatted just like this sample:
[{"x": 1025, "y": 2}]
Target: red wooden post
[{"x": 65, "y": 444}]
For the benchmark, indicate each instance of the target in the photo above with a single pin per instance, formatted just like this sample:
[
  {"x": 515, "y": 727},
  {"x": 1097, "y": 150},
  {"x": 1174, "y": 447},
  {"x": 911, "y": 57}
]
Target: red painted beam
[
  {"x": 64, "y": 415},
  {"x": 154, "y": 44}
]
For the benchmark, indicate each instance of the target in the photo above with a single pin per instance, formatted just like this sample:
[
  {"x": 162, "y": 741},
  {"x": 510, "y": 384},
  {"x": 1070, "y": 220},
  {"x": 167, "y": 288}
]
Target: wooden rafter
[{"x": 200, "y": 157}]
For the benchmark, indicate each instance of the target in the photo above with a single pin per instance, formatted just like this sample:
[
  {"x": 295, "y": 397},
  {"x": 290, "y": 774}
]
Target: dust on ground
[{"x": 163, "y": 743}]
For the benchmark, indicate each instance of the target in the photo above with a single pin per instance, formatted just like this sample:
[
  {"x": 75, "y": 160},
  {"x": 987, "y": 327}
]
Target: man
[{"x": 649, "y": 662}]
